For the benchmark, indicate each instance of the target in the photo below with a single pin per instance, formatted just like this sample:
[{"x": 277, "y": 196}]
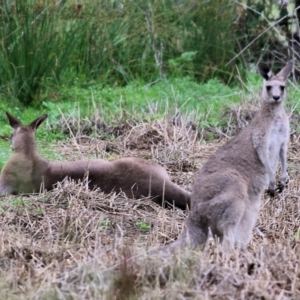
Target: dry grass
[{"x": 72, "y": 243}]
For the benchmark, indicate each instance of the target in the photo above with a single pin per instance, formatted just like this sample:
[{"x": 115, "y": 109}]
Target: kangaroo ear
[
  {"x": 13, "y": 121},
  {"x": 285, "y": 72},
  {"x": 264, "y": 71},
  {"x": 37, "y": 122}
]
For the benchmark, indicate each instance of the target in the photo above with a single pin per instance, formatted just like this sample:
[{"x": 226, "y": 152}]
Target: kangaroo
[
  {"x": 226, "y": 196},
  {"x": 26, "y": 171}
]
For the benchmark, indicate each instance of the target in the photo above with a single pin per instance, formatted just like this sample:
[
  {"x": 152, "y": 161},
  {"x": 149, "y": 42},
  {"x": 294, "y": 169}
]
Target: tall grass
[
  {"x": 34, "y": 47},
  {"x": 47, "y": 42},
  {"x": 154, "y": 39}
]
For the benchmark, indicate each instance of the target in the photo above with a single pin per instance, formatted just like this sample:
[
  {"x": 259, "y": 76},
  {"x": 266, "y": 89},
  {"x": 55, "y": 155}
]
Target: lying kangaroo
[
  {"x": 226, "y": 197},
  {"x": 26, "y": 171}
]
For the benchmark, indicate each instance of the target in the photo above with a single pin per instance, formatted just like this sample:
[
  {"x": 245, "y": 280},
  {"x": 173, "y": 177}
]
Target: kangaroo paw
[{"x": 280, "y": 187}]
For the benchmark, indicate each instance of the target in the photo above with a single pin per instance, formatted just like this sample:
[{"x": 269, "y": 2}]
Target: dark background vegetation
[{"x": 46, "y": 44}]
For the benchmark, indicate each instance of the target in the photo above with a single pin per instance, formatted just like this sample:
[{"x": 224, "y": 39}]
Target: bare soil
[{"x": 73, "y": 243}]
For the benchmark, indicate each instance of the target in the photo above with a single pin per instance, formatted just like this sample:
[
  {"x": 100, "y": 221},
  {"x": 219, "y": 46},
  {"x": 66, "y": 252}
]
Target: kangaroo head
[
  {"x": 23, "y": 136},
  {"x": 274, "y": 85}
]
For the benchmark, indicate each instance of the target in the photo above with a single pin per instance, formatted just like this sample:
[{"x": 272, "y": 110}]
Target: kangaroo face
[
  {"x": 274, "y": 85},
  {"x": 274, "y": 90}
]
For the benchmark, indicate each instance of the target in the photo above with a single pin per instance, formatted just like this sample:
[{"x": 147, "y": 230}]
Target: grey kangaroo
[
  {"x": 226, "y": 196},
  {"x": 26, "y": 171}
]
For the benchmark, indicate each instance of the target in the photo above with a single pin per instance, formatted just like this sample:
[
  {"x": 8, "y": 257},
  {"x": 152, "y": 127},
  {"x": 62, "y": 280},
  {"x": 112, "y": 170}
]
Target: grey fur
[{"x": 226, "y": 197}]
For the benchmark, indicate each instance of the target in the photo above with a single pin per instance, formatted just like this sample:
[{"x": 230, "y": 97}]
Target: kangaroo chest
[{"x": 278, "y": 134}]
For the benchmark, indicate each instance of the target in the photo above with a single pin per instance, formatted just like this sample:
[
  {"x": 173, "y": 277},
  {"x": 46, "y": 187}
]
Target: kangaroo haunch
[
  {"x": 227, "y": 191},
  {"x": 27, "y": 172}
]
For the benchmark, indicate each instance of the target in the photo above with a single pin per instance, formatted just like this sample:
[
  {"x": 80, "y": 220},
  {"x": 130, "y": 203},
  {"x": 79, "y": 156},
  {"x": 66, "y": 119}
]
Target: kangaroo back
[{"x": 27, "y": 171}]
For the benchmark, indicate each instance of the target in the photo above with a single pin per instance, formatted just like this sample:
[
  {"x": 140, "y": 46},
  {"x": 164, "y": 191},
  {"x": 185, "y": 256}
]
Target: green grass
[
  {"x": 135, "y": 100},
  {"x": 204, "y": 104},
  {"x": 143, "y": 225},
  {"x": 5, "y": 152}
]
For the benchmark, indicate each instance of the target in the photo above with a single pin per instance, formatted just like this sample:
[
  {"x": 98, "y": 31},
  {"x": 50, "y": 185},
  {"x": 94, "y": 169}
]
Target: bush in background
[
  {"x": 154, "y": 39},
  {"x": 47, "y": 42}
]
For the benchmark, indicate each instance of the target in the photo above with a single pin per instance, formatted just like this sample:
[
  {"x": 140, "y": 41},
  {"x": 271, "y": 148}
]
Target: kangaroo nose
[{"x": 276, "y": 98}]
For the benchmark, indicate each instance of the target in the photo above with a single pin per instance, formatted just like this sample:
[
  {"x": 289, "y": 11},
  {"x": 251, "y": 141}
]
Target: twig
[{"x": 158, "y": 53}]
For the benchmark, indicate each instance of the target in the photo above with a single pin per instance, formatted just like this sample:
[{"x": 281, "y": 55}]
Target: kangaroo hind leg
[
  {"x": 193, "y": 236},
  {"x": 229, "y": 222},
  {"x": 246, "y": 225}
]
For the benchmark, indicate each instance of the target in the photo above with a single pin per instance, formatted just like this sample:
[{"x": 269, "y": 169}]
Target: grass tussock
[{"x": 73, "y": 243}]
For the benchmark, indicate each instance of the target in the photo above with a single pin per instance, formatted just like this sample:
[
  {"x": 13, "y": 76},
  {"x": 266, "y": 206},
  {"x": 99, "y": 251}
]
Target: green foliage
[
  {"x": 105, "y": 224},
  {"x": 19, "y": 202},
  {"x": 296, "y": 236},
  {"x": 154, "y": 39},
  {"x": 261, "y": 36},
  {"x": 182, "y": 63},
  {"x": 137, "y": 100},
  {"x": 5, "y": 152},
  {"x": 45, "y": 43},
  {"x": 143, "y": 226},
  {"x": 35, "y": 47}
]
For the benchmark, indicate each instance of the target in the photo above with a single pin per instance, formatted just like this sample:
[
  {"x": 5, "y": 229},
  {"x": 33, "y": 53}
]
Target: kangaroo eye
[
  {"x": 268, "y": 88},
  {"x": 282, "y": 87}
]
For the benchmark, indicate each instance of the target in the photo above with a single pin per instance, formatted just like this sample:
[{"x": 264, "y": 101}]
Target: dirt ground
[{"x": 72, "y": 243}]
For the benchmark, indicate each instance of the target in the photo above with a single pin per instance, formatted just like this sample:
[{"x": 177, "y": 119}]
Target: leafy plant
[
  {"x": 143, "y": 226},
  {"x": 45, "y": 44},
  {"x": 296, "y": 236},
  {"x": 19, "y": 202},
  {"x": 105, "y": 224},
  {"x": 182, "y": 63}
]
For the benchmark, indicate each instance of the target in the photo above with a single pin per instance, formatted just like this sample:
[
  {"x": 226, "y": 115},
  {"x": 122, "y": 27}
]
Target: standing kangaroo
[
  {"x": 227, "y": 192},
  {"x": 26, "y": 171}
]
